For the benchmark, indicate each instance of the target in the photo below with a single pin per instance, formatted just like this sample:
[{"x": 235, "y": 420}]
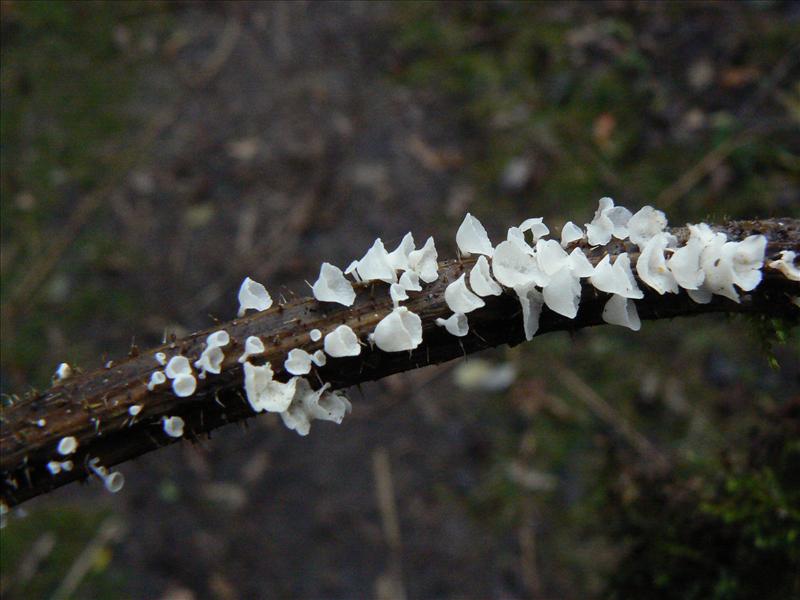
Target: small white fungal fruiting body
[
  {"x": 342, "y": 341},
  {"x": 570, "y": 233},
  {"x": 398, "y": 258},
  {"x": 424, "y": 262},
  {"x": 161, "y": 358},
  {"x": 180, "y": 371},
  {"x": 210, "y": 360},
  {"x": 113, "y": 481},
  {"x": 64, "y": 371},
  {"x": 531, "y": 301},
  {"x": 252, "y": 346},
  {"x": 608, "y": 221},
  {"x": 173, "y": 426},
  {"x": 536, "y": 226},
  {"x": 397, "y": 293},
  {"x": 156, "y": 379},
  {"x": 646, "y": 224},
  {"x": 315, "y": 335},
  {"x": 319, "y": 358},
  {"x": 55, "y": 467},
  {"x": 400, "y": 330},
  {"x": 481, "y": 280},
  {"x": 253, "y": 296},
  {"x": 652, "y": 264},
  {"x": 184, "y": 385},
  {"x": 263, "y": 392},
  {"x": 134, "y": 409},
  {"x": 785, "y": 264},
  {"x": 67, "y": 445},
  {"x": 459, "y": 298},
  {"x": 298, "y": 362},
  {"x": 513, "y": 266},
  {"x": 376, "y": 266},
  {"x": 622, "y": 311},
  {"x": 472, "y": 238},
  {"x": 616, "y": 279},
  {"x": 331, "y": 286},
  {"x": 177, "y": 365},
  {"x": 308, "y": 405},
  {"x": 456, "y": 324}
]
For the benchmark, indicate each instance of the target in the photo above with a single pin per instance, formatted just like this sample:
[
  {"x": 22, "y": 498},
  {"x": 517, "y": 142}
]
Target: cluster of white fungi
[{"x": 541, "y": 272}]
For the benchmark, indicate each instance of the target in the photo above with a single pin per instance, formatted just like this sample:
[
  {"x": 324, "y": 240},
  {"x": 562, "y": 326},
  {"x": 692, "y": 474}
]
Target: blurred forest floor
[{"x": 155, "y": 154}]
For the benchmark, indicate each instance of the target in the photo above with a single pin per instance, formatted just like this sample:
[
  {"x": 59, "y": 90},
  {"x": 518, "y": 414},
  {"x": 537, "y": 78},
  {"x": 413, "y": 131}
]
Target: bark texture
[{"x": 93, "y": 407}]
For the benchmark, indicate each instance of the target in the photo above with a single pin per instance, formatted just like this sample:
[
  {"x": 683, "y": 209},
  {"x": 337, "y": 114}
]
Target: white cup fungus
[
  {"x": 253, "y": 296},
  {"x": 252, "y": 346},
  {"x": 331, "y": 286},
  {"x": 173, "y": 426},
  {"x": 459, "y": 298},
  {"x": 342, "y": 341},
  {"x": 456, "y": 324},
  {"x": 298, "y": 362},
  {"x": 400, "y": 330},
  {"x": 67, "y": 445}
]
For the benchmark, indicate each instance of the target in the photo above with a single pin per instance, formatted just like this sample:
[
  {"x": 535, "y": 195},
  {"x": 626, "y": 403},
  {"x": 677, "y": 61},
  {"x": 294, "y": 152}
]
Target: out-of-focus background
[{"x": 154, "y": 154}]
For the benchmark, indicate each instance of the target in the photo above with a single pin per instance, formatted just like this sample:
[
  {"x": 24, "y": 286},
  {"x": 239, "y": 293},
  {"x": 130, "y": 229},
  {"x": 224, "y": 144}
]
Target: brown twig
[{"x": 93, "y": 407}]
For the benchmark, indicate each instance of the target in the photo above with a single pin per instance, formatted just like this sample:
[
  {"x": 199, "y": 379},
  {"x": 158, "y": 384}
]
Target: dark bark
[{"x": 93, "y": 406}]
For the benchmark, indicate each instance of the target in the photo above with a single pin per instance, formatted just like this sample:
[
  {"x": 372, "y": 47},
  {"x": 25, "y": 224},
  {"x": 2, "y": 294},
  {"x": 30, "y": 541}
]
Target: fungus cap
[
  {"x": 375, "y": 265},
  {"x": 684, "y": 264},
  {"x": 252, "y": 345},
  {"x": 562, "y": 294},
  {"x": 184, "y": 385},
  {"x": 134, "y": 409},
  {"x": 315, "y": 335},
  {"x": 263, "y": 392},
  {"x": 409, "y": 280},
  {"x": 645, "y": 224},
  {"x": 156, "y": 379},
  {"x": 178, "y": 365},
  {"x": 253, "y": 296},
  {"x": 319, "y": 358},
  {"x": 579, "y": 264},
  {"x": 173, "y": 426},
  {"x": 400, "y": 330},
  {"x": 652, "y": 264},
  {"x": 398, "y": 293},
  {"x": 424, "y": 262},
  {"x": 64, "y": 371},
  {"x": 570, "y": 233},
  {"x": 459, "y": 298},
  {"x": 551, "y": 257},
  {"x": 456, "y": 324},
  {"x": 218, "y": 339},
  {"x": 608, "y": 221},
  {"x": 210, "y": 361},
  {"x": 298, "y": 362},
  {"x": 513, "y": 267},
  {"x": 536, "y": 226},
  {"x": 331, "y": 286},
  {"x": 481, "y": 280},
  {"x": 472, "y": 238},
  {"x": 785, "y": 264},
  {"x": 398, "y": 258},
  {"x": 67, "y": 445},
  {"x": 161, "y": 358},
  {"x": 342, "y": 341},
  {"x": 531, "y": 301},
  {"x": 622, "y": 311}
]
